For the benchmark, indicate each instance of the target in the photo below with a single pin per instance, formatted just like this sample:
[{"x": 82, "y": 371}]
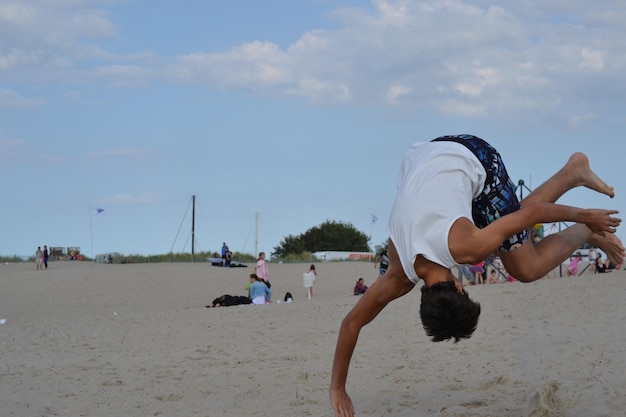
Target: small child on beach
[{"x": 360, "y": 287}]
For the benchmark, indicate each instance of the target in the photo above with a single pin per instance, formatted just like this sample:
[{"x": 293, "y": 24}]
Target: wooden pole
[{"x": 193, "y": 226}]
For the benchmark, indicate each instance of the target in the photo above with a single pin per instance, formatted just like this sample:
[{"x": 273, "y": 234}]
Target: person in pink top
[
  {"x": 262, "y": 271},
  {"x": 572, "y": 269}
]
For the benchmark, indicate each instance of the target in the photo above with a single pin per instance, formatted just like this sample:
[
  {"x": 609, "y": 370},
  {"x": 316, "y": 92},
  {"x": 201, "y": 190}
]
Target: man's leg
[
  {"x": 575, "y": 173},
  {"x": 531, "y": 262}
]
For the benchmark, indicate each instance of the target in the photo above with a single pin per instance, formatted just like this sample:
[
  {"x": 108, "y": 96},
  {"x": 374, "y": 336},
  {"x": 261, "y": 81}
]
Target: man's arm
[{"x": 389, "y": 287}]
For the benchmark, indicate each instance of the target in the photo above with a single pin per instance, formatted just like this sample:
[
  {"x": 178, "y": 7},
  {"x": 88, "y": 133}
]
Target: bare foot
[
  {"x": 578, "y": 165},
  {"x": 611, "y": 245}
]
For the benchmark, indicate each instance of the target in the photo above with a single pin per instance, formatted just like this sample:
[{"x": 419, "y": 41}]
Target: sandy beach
[{"x": 86, "y": 339}]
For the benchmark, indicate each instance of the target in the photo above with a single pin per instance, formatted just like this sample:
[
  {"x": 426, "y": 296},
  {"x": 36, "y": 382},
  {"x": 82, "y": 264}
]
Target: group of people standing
[
  {"x": 259, "y": 287},
  {"x": 41, "y": 257},
  {"x": 596, "y": 264}
]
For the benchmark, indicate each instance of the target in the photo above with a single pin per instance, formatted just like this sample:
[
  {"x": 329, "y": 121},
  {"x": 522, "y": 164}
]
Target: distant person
[
  {"x": 227, "y": 300},
  {"x": 261, "y": 269},
  {"x": 224, "y": 252},
  {"x": 38, "y": 258},
  {"x": 593, "y": 255},
  {"x": 360, "y": 287},
  {"x": 478, "y": 270},
  {"x": 493, "y": 277},
  {"x": 253, "y": 278},
  {"x": 259, "y": 292},
  {"x": 602, "y": 266},
  {"x": 455, "y": 204},
  {"x": 382, "y": 260},
  {"x": 572, "y": 268},
  {"x": 45, "y": 256},
  {"x": 308, "y": 278},
  {"x": 229, "y": 258}
]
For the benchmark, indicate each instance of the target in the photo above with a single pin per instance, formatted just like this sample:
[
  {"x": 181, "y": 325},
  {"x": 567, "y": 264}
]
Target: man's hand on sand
[{"x": 341, "y": 403}]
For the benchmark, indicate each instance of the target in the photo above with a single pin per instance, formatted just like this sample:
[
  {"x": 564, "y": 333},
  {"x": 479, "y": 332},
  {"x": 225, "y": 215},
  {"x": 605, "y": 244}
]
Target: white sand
[{"x": 84, "y": 339}]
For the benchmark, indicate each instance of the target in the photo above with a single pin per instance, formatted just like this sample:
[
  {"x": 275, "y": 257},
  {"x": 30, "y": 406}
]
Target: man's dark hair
[{"x": 446, "y": 314}]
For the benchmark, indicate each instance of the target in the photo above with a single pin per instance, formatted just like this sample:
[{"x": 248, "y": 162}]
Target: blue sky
[{"x": 299, "y": 111}]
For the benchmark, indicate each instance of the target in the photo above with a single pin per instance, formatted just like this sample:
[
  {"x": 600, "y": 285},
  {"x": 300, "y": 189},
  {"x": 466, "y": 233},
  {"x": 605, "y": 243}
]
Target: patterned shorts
[{"x": 498, "y": 196}]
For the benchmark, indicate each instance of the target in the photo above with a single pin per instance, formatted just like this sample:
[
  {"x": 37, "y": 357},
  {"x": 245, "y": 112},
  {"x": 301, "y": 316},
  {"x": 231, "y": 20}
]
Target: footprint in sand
[{"x": 544, "y": 403}]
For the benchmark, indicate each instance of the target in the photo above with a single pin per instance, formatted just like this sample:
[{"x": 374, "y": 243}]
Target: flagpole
[{"x": 193, "y": 226}]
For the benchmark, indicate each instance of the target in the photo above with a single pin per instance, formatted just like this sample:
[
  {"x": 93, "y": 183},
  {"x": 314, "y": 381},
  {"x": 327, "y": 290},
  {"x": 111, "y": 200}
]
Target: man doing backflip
[{"x": 456, "y": 204}]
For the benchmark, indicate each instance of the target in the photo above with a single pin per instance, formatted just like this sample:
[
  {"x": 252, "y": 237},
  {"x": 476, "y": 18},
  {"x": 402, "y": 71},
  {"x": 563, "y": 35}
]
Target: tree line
[{"x": 328, "y": 236}]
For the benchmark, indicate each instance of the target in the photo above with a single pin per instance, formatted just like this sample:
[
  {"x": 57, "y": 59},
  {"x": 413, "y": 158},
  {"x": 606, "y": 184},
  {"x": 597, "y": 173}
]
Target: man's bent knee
[{"x": 524, "y": 273}]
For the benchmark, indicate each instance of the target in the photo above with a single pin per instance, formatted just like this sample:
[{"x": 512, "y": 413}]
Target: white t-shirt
[
  {"x": 308, "y": 278},
  {"x": 436, "y": 186}
]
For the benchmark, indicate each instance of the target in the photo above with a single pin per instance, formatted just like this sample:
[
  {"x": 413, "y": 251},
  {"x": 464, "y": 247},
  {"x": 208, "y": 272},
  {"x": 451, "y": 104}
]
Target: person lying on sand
[{"x": 229, "y": 300}]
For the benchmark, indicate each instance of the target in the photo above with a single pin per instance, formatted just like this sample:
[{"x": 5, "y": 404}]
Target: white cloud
[
  {"x": 395, "y": 93},
  {"x": 445, "y": 54},
  {"x": 18, "y": 14},
  {"x": 54, "y": 22},
  {"x": 592, "y": 60},
  {"x": 43, "y": 40},
  {"x": 10, "y": 99},
  {"x": 320, "y": 90},
  {"x": 252, "y": 66}
]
